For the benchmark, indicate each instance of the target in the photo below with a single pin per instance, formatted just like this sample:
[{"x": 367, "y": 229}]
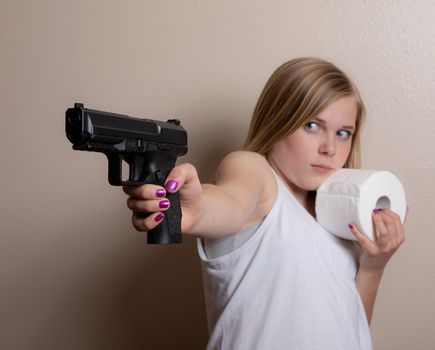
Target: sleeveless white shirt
[{"x": 289, "y": 286}]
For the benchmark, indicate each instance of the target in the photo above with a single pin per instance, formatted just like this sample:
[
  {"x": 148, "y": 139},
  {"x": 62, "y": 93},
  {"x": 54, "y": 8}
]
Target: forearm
[
  {"x": 224, "y": 208},
  {"x": 220, "y": 213},
  {"x": 367, "y": 283}
]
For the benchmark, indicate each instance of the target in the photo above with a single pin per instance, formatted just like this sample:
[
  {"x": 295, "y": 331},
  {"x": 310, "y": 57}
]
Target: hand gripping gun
[{"x": 149, "y": 147}]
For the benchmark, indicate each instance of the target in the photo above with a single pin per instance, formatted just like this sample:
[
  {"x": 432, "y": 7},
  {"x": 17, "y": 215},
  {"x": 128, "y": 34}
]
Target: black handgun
[{"x": 149, "y": 147}]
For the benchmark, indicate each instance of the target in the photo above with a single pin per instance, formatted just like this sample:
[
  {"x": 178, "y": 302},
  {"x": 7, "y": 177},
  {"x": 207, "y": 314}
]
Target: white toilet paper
[{"x": 350, "y": 195}]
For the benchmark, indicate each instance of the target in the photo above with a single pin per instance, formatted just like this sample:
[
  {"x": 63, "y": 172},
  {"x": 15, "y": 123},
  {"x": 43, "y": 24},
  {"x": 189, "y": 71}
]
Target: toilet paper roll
[{"x": 350, "y": 195}]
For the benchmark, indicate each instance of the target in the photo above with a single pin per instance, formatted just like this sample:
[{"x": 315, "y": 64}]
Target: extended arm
[
  {"x": 242, "y": 184},
  {"x": 211, "y": 211}
]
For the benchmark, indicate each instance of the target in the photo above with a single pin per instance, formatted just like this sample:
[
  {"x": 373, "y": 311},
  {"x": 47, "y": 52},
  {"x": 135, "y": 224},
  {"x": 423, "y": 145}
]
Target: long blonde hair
[{"x": 298, "y": 90}]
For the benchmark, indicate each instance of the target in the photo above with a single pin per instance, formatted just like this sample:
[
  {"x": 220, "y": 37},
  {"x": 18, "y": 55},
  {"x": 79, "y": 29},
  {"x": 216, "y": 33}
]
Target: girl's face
[{"x": 314, "y": 151}]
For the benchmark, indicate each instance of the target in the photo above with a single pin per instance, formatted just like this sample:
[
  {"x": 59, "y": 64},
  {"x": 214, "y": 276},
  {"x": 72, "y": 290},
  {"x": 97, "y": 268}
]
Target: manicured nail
[
  {"x": 159, "y": 217},
  {"x": 171, "y": 185},
  {"x": 350, "y": 226},
  {"x": 164, "y": 204},
  {"x": 376, "y": 211},
  {"x": 160, "y": 193}
]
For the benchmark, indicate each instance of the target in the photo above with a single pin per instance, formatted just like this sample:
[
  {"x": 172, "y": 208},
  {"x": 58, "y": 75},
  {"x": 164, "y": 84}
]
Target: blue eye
[
  {"x": 344, "y": 134},
  {"x": 311, "y": 126}
]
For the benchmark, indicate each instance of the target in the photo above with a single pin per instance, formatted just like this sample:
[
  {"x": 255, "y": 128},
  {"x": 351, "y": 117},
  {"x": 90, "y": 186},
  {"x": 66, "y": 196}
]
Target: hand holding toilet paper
[{"x": 350, "y": 195}]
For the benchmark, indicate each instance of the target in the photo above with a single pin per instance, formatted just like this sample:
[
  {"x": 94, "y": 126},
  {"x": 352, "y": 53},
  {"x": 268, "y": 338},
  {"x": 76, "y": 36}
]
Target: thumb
[{"x": 181, "y": 176}]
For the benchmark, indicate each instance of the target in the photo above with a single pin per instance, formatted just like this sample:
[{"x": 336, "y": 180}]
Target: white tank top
[{"x": 291, "y": 285}]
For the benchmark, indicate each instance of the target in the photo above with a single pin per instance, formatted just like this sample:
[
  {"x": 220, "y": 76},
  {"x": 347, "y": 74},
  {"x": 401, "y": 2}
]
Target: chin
[
  {"x": 315, "y": 184},
  {"x": 312, "y": 186}
]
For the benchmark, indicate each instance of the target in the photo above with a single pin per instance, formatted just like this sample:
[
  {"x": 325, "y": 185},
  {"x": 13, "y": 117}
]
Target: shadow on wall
[{"x": 156, "y": 303}]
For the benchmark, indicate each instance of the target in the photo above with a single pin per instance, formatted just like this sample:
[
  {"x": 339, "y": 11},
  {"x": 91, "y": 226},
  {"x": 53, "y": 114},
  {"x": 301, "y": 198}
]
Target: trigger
[{"x": 159, "y": 176}]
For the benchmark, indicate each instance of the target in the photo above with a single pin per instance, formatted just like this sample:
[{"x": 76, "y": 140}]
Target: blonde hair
[{"x": 298, "y": 90}]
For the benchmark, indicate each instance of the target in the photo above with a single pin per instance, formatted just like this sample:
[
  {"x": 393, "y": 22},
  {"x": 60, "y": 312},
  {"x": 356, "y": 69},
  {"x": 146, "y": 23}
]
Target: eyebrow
[{"x": 321, "y": 121}]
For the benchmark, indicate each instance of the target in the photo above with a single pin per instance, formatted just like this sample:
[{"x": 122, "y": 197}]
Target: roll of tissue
[{"x": 350, "y": 195}]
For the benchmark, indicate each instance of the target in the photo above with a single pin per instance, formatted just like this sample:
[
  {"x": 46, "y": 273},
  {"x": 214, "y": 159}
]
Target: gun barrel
[{"x": 87, "y": 128}]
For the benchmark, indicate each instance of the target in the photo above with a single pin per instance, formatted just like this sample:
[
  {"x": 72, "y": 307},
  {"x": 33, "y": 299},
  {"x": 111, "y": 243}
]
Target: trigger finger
[{"x": 147, "y": 191}]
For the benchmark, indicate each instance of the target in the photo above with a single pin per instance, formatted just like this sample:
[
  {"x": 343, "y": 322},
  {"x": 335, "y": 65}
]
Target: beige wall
[{"x": 74, "y": 274}]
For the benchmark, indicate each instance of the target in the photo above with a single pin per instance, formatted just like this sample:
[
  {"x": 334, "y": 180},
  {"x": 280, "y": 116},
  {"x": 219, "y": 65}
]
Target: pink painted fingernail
[
  {"x": 164, "y": 204},
  {"x": 159, "y": 217},
  {"x": 350, "y": 226},
  {"x": 160, "y": 193},
  {"x": 171, "y": 185},
  {"x": 376, "y": 211}
]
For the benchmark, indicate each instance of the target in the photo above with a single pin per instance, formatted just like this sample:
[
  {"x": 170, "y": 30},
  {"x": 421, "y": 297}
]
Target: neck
[{"x": 305, "y": 198}]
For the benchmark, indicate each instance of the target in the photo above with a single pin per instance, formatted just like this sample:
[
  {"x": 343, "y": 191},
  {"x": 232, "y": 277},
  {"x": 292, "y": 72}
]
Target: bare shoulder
[
  {"x": 250, "y": 164},
  {"x": 252, "y": 175}
]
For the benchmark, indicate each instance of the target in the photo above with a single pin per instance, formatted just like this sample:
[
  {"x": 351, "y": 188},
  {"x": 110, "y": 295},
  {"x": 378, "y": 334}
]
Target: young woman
[{"x": 274, "y": 278}]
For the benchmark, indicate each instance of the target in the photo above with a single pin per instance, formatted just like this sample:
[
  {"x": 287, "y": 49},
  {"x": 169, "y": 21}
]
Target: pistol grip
[{"x": 169, "y": 230}]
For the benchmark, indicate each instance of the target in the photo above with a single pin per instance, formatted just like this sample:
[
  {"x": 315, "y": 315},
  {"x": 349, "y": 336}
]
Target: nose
[{"x": 328, "y": 146}]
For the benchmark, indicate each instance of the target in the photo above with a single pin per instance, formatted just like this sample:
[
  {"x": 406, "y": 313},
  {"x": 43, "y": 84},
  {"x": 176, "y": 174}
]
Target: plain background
[{"x": 74, "y": 274}]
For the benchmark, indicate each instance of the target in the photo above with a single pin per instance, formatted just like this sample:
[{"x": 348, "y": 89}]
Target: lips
[
  {"x": 323, "y": 169},
  {"x": 322, "y": 166}
]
